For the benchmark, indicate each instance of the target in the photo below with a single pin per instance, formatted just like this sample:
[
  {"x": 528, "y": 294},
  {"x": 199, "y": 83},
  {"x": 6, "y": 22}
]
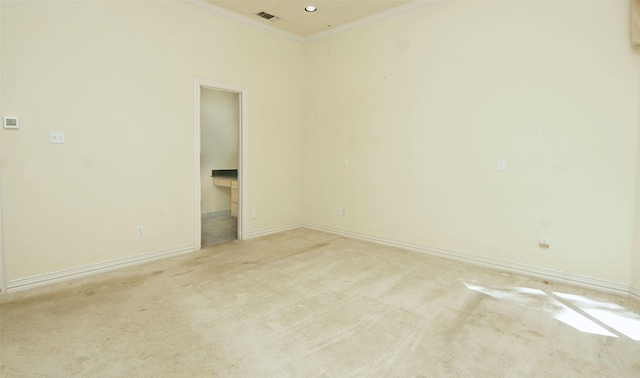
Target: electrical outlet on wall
[
  {"x": 544, "y": 242},
  {"x": 56, "y": 137},
  {"x": 140, "y": 231}
]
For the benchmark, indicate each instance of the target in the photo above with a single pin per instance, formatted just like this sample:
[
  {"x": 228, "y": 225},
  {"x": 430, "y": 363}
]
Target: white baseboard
[
  {"x": 532, "y": 271},
  {"x": 592, "y": 283},
  {"x": 635, "y": 292},
  {"x": 273, "y": 230},
  {"x": 65, "y": 275}
]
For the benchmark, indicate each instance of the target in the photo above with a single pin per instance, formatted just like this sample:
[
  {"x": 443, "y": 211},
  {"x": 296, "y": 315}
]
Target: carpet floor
[{"x": 305, "y": 303}]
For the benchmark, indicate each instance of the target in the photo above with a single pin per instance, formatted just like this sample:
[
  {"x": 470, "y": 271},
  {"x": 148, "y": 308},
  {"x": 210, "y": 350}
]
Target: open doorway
[
  {"x": 219, "y": 124},
  {"x": 3, "y": 283},
  {"x": 219, "y": 162}
]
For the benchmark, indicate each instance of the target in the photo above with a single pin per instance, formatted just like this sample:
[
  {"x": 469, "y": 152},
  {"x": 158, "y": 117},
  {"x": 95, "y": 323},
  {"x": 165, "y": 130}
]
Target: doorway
[
  {"x": 3, "y": 283},
  {"x": 220, "y": 167}
]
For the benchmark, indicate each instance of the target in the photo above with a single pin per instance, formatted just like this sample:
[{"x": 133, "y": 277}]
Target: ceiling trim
[
  {"x": 225, "y": 12},
  {"x": 350, "y": 25},
  {"x": 373, "y": 18}
]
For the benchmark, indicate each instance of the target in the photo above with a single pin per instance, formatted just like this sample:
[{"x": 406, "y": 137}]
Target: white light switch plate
[{"x": 56, "y": 137}]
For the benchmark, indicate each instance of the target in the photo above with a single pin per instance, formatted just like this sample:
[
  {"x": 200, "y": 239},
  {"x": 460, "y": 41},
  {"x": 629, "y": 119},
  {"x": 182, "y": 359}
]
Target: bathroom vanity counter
[{"x": 232, "y": 183}]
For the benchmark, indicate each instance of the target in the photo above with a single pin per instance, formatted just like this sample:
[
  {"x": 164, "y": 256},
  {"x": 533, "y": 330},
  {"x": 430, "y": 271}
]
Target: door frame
[
  {"x": 243, "y": 96},
  {"x": 3, "y": 282}
]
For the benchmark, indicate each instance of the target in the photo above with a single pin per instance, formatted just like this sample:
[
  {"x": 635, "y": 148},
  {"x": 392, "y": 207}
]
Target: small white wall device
[{"x": 10, "y": 122}]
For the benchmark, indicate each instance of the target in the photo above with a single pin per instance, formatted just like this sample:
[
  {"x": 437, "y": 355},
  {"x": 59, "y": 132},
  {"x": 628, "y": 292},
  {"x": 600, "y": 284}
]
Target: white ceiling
[{"x": 292, "y": 18}]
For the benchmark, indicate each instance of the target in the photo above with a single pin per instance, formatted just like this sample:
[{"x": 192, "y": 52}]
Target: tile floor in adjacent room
[
  {"x": 304, "y": 303},
  {"x": 219, "y": 229}
]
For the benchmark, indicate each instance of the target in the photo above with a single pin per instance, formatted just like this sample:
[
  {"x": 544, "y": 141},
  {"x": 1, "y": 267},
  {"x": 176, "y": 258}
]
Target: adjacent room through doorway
[{"x": 219, "y": 124}]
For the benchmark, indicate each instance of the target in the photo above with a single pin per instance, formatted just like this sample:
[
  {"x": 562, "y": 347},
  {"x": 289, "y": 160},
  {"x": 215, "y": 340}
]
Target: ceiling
[{"x": 292, "y": 17}]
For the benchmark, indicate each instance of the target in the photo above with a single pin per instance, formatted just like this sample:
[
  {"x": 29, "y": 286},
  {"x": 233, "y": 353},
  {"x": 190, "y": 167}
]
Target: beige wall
[
  {"x": 426, "y": 103},
  {"x": 118, "y": 78},
  {"x": 219, "y": 145},
  {"x": 421, "y": 105}
]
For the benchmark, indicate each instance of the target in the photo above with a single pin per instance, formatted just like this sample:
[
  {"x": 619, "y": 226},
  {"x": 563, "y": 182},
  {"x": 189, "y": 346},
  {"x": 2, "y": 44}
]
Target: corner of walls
[
  {"x": 124, "y": 98},
  {"x": 423, "y": 105}
]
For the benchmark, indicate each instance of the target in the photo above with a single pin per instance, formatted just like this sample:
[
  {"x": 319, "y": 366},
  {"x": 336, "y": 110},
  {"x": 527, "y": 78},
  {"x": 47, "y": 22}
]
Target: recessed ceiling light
[{"x": 310, "y": 8}]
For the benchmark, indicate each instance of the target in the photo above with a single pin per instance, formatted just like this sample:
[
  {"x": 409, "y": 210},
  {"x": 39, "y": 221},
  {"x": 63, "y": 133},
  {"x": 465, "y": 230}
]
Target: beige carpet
[{"x": 305, "y": 303}]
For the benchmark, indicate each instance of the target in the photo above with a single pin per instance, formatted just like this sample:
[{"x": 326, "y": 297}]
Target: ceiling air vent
[{"x": 267, "y": 16}]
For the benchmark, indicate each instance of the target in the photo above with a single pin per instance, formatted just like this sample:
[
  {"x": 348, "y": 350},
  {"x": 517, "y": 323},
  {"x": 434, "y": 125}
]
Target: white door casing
[{"x": 242, "y": 92}]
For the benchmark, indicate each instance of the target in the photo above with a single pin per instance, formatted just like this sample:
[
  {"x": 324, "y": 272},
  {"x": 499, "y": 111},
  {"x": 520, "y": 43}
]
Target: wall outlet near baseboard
[
  {"x": 140, "y": 231},
  {"x": 544, "y": 242}
]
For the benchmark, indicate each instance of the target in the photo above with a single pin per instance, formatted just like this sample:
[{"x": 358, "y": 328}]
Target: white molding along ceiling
[{"x": 290, "y": 18}]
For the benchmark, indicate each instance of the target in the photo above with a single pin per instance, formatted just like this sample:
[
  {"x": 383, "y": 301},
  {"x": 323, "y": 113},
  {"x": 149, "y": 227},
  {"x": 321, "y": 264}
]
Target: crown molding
[
  {"x": 416, "y": 4},
  {"x": 350, "y": 25},
  {"x": 247, "y": 20}
]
